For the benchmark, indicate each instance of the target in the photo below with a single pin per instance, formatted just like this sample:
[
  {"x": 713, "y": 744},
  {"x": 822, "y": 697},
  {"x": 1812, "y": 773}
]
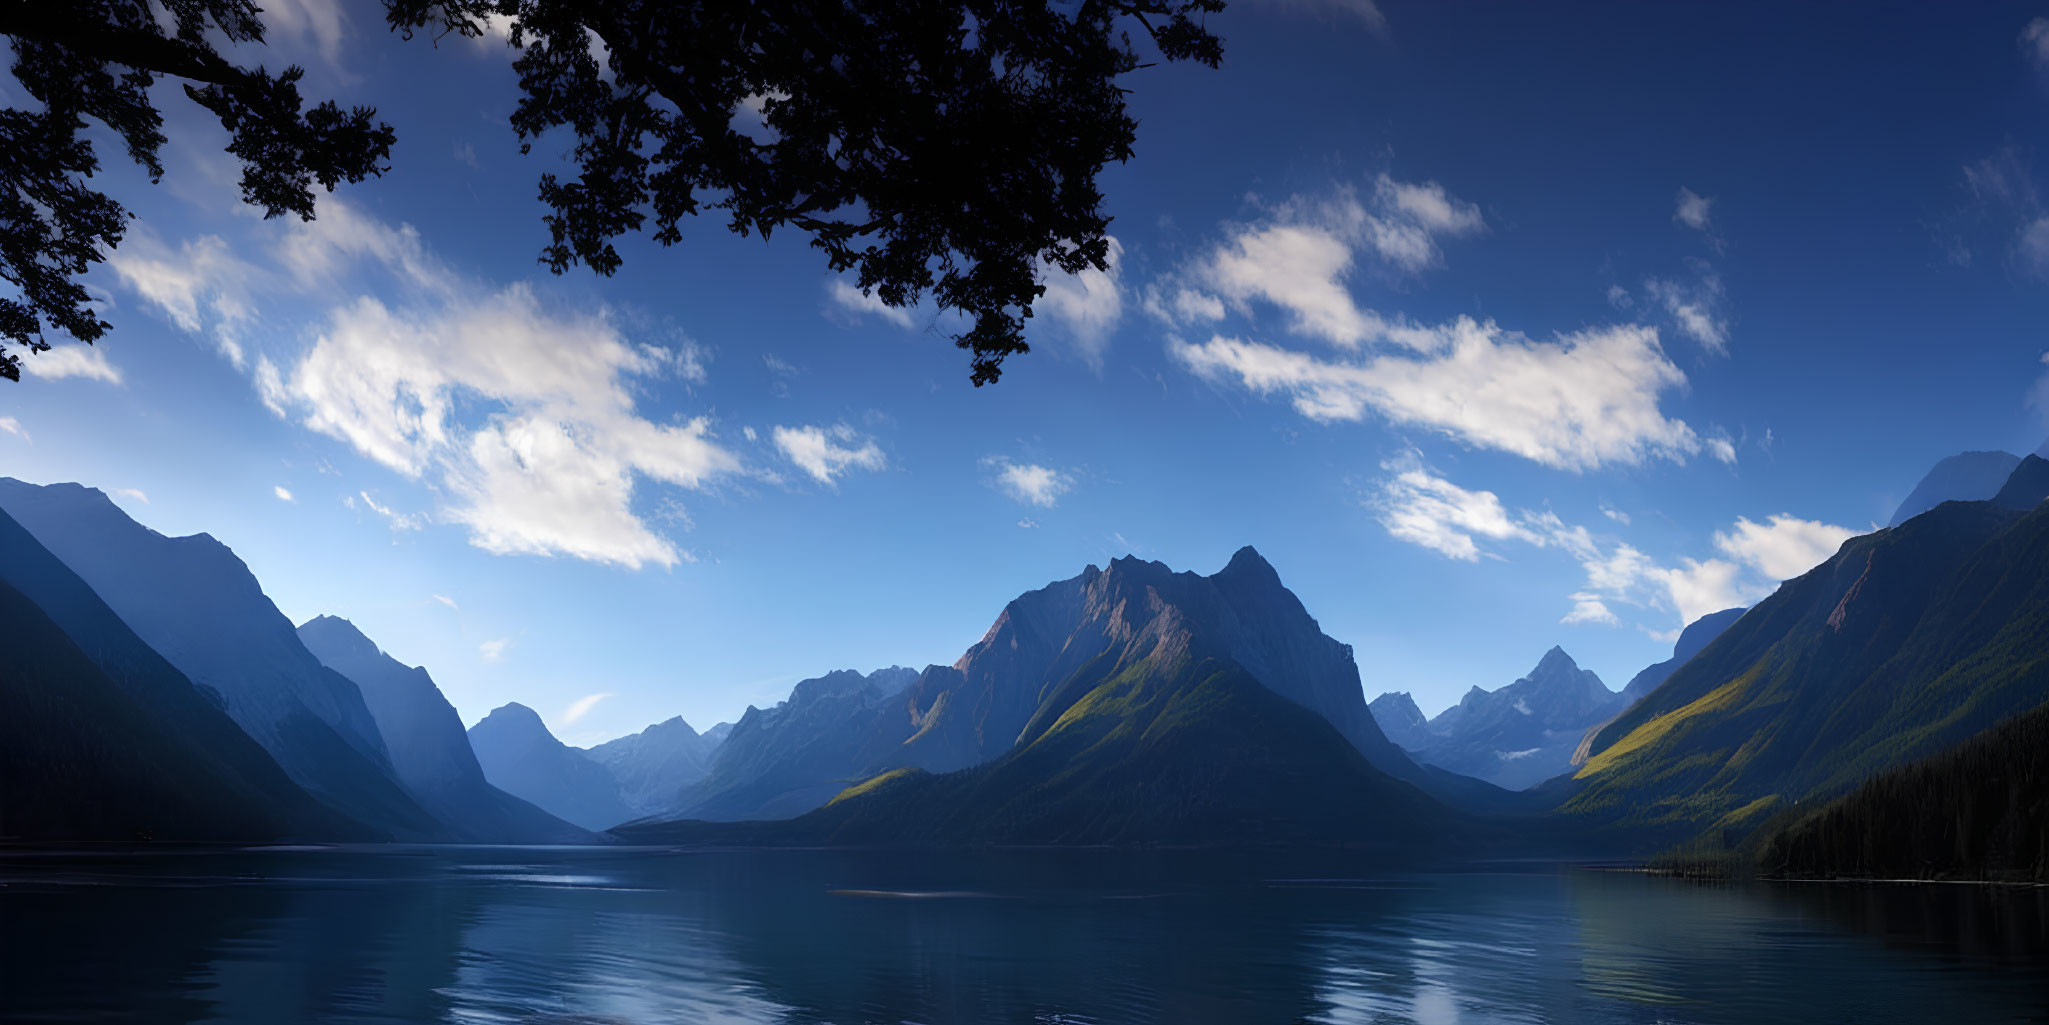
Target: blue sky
[{"x": 1492, "y": 329}]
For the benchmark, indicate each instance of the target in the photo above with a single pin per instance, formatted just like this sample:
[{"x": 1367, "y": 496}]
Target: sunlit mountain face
[{"x": 1335, "y": 511}]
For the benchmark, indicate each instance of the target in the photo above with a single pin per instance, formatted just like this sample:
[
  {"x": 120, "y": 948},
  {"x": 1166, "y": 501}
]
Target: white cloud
[
  {"x": 1422, "y": 508},
  {"x": 14, "y": 427},
  {"x": 1030, "y": 483},
  {"x": 1695, "y": 307},
  {"x": 73, "y": 360},
  {"x": 1693, "y": 209},
  {"x": 398, "y": 520},
  {"x": 1299, "y": 258},
  {"x": 494, "y": 650},
  {"x": 828, "y": 452},
  {"x": 1700, "y": 586},
  {"x": 446, "y": 600},
  {"x": 320, "y": 23},
  {"x": 582, "y": 706},
  {"x": 282, "y": 494},
  {"x": 553, "y": 466},
  {"x": 134, "y": 493},
  {"x": 1615, "y": 514},
  {"x": 849, "y": 298},
  {"x": 1721, "y": 448},
  {"x": 1028, "y": 524},
  {"x": 1587, "y": 400},
  {"x": 1416, "y": 505},
  {"x": 202, "y": 276},
  {"x": 476, "y": 390},
  {"x": 1087, "y": 305},
  {"x": 1784, "y": 546},
  {"x": 1589, "y": 608},
  {"x": 2035, "y": 42}
]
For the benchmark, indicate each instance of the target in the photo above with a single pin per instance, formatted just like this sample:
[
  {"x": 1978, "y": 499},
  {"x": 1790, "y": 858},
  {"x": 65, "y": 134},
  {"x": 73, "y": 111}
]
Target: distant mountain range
[
  {"x": 151, "y": 690},
  {"x": 429, "y": 750},
  {"x": 1519, "y": 735},
  {"x": 1535, "y": 728},
  {"x": 634, "y": 776},
  {"x": 521, "y": 757},
  {"x": 1121, "y": 706}
]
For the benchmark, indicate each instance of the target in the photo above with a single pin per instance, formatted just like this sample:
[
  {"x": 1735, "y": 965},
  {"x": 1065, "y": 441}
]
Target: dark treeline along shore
[{"x": 1880, "y": 716}]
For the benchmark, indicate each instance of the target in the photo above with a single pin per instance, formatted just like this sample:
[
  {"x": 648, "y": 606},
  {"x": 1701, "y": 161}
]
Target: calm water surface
[{"x": 624, "y": 936}]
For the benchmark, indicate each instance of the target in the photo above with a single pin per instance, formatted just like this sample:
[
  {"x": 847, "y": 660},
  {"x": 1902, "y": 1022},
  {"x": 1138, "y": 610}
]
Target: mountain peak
[
  {"x": 1555, "y": 660},
  {"x": 2026, "y": 487},
  {"x": 1249, "y": 566},
  {"x": 1964, "y": 477},
  {"x": 514, "y": 713},
  {"x": 336, "y": 634}
]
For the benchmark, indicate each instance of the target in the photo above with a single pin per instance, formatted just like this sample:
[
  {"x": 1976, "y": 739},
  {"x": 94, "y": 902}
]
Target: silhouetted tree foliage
[
  {"x": 95, "y": 60},
  {"x": 948, "y": 147},
  {"x": 1977, "y": 811},
  {"x": 930, "y": 147}
]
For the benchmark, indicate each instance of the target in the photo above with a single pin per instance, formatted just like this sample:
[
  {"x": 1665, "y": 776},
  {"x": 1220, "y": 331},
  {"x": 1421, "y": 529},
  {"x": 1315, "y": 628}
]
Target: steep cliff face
[
  {"x": 194, "y": 602},
  {"x": 429, "y": 750}
]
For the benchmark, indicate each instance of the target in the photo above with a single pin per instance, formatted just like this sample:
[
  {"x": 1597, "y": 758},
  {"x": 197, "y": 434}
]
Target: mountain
[
  {"x": 196, "y": 604},
  {"x": 520, "y": 757},
  {"x": 1122, "y": 706},
  {"x": 717, "y": 734},
  {"x": 1524, "y": 733},
  {"x": 786, "y": 760},
  {"x": 976, "y": 710},
  {"x": 1977, "y": 811},
  {"x": 1158, "y": 739},
  {"x": 1040, "y": 646},
  {"x": 102, "y": 739},
  {"x": 1401, "y": 720},
  {"x": 653, "y": 767},
  {"x": 1907, "y": 641},
  {"x": 429, "y": 750},
  {"x": 1695, "y": 637},
  {"x": 2024, "y": 489},
  {"x": 1964, "y": 477}
]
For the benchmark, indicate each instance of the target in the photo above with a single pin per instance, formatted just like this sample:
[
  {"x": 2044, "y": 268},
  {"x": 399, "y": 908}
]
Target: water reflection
[{"x": 496, "y": 935}]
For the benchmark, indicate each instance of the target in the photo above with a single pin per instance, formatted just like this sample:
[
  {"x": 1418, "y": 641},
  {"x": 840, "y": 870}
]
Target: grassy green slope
[{"x": 1908, "y": 641}]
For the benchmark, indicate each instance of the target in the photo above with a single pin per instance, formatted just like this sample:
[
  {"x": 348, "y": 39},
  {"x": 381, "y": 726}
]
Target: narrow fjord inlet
[{"x": 1430, "y": 515}]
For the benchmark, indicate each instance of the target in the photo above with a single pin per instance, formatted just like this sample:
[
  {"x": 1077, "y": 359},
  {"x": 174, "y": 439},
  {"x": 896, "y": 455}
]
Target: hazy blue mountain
[
  {"x": 1964, "y": 477},
  {"x": 717, "y": 734},
  {"x": 788, "y": 759},
  {"x": 1695, "y": 637},
  {"x": 195, "y": 603},
  {"x": 428, "y": 747},
  {"x": 520, "y": 757},
  {"x": 1906, "y": 642},
  {"x": 1158, "y": 739},
  {"x": 1524, "y": 733},
  {"x": 2025, "y": 487},
  {"x": 1401, "y": 720},
  {"x": 102, "y": 739},
  {"x": 654, "y": 766}
]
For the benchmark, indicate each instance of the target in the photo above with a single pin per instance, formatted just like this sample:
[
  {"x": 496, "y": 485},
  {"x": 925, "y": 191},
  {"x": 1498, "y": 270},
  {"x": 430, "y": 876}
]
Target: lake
[{"x": 613, "y": 935}]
